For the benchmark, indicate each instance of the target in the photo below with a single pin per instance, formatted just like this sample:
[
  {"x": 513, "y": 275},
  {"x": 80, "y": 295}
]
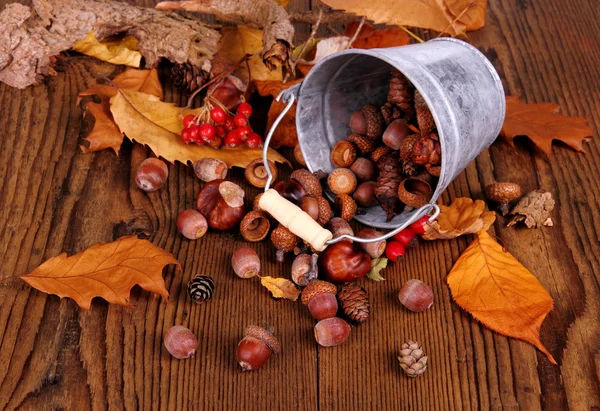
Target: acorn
[
  {"x": 180, "y": 342},
  {"x": 375, "y": 249},
  {"x": 346, "y": 206},
  {"x": 209, "y": 169},
  {"x": 364, "y": 144},
  {"x": 338, "y": 226},
  {"x": 256, "y": 173},
  {"x": 343, "y": 154},
  {"x": 342, "y": 181},
  {"x": 255, "y": 226},
  {"x": 255, "y": 349},
  {"x": 407, "y": 147},
  {"x": 284, "y": 240},
  {"x": 324, "y": 211},
  {"x": 245, "y": 262},
  {"x": 305, "y": 269},
  {"x": 379, "y": 152},
  {"x": 414, "y": 192},
  {"x": 502, "y": 194},
  {"x": 299, "y": 156},
  {"x": 364, "y": 169},
  {"x": 395, "y": 133},
  {"x": 310, "y": 206},
  {"x": 435, "y": 171},
  {"x": 367, "y": 121},
  {"x": 320, "y": 298},
  {"x": 309, "y": 182},
  {"x": 364, "y": 195}
]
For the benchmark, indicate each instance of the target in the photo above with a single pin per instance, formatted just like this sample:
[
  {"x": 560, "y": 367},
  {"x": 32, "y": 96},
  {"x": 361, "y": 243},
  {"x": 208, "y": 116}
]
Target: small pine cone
[
  {"x": 406, "y": 149},
  {"x": 379, "y": 152},
  {"x": 390, "y": 112},
  {"x": 188, "y": 77},
  {"x": 412, "y": 359},
  {"x": 410, "y": 169},
  {"x": 427, "y": 151},
  {"x": 388, "y": 181},
  {"x": 375, "y": 122},
  {"x": 364, "y": 144},
  {"x": 401, "y": 94},
  {"x": 201, "y": 288},
  {"x": 354, "y": 302}
]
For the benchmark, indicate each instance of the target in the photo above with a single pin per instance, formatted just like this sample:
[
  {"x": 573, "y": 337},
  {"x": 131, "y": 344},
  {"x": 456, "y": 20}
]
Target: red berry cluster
[
  {"x": 231, "y": 130},
  {"x": 406, "y": 238}
]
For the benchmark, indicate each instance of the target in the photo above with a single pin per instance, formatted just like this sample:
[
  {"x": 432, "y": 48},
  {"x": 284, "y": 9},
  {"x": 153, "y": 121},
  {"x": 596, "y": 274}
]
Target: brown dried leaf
[
  {"x": 104, "y": 270},
  {"x": 147, "y": 120},
  {"x": 280, "y": 287},
  {"x": 120, "y": 51},
  {"x": 534, "y": 209},
  {"x": 370, "y": 38},
  {"x": 463, "y": 216},
  {"x": 105, "y": 133},
  {"x": 451, "y": 16},
  {"x": 500, "y": 292},
  {"x": 542, "y": 124}
]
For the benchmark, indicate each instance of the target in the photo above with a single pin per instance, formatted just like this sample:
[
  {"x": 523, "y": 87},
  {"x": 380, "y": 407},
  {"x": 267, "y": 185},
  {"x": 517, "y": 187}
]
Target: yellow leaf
[
  {"x": 452, "y": 16},
  {"x": 500, "y": 292},
  {"x": 280, "y": 287},
  {"x": 463, "y": 216},
  {"x": 147, "y": 120},
  {"x": 113, "y": 51},
  {"x": 104, "y": 270},
  {"x": 238, "y": 41}
]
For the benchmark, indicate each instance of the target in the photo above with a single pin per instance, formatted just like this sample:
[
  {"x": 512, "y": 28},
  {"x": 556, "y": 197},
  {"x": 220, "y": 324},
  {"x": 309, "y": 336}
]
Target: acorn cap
[
  {"x": 317, "y": 287},
  {"x": 256, "y": 173},
  {"x": 342, "y": 181},
  {"x": 283, "y": 239},
  {"x": 374, "y": 120},
  {"x": 343, "y": 154},
  {"x": 379, "y": 152},
  {"x": 263, "y": 335},
  {"x": 407, "y": 147},
  {"x": 364, "y": 144},
  {"x": 308, "y": 181},
  {"x": 414, "y": 192},
  {"x": 324, "y": 211},
  {"x": 346, "y": 206},
  {"x": 255, "y": 226},
  {"x": 503, "y": 192}
]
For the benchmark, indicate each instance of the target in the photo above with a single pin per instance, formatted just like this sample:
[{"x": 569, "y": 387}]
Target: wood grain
[{"x": 54, "y": 198}]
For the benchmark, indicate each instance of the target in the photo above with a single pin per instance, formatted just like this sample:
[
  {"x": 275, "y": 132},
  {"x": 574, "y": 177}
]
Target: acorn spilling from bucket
[{"x": 393, "y": 156}]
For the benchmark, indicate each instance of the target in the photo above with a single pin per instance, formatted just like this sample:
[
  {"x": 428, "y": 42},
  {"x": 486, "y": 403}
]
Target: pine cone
[
  {"x": 201, "y": 288},
  {"x": 410, "y": 169},
  {"x": 401, "y": 94},
  {"x": 424, "y": 116},
  {"x": 188, "y": 77},
  {"x": 408, "y": 144},
  {"x": 390, "y": 112},
  {"x": 354, "y": 302},
  {"x": 412, "y": 359},
  {"x": 388, "y": 181},
  {"x": 427, "y": 151}
]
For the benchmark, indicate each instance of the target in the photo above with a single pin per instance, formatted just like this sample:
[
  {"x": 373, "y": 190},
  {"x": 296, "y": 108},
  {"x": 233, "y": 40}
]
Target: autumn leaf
[
  {"x": 280, "y": 287},
  {"x": 370, "y": 38},
  {"x": 147, "y": 120},
  {"x": 377, "y": 264},
  {"x": 285, "y": 134},
  {"x": 463, "y": 216},
  {"x": 500, "y": 292},
  {"x": 116, "y": 51},
  {"x": 105, "y": 133},
  {"x": 104, "y": 270},
  {"x": 542, "y": 124},
  {"x": 236, "y": 42},
  {"x": 450, "y": 16}
]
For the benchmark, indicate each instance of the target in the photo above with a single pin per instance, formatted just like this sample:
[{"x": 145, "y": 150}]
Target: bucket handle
[{"x": 298, "y": 221}]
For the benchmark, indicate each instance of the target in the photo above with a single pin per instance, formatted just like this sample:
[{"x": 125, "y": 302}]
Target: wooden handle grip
[{"x": 294, "y": 219}]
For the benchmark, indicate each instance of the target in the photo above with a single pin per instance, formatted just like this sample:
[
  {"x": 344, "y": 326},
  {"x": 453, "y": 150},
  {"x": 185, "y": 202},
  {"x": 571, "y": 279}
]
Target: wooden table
[{"x": 55, "y": 198}]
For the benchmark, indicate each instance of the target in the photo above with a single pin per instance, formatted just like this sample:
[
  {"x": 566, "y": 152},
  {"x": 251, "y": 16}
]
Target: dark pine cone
[
  {"x": 188, "y": 77},
  {"x": 201, "y": 288},
  {"x": 401, "y": 94},
  {"x": 427, "y": 151},
  {"x": 410, "y": 169},
  {"x": 390, "y": 112},
  {"x": 424, "y": 116},
  {"x": 386, "y": 190},
  {"x": 354, "y": 302}
]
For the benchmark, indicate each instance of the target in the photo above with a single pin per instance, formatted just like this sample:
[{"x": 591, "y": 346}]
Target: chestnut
[
  {"x": 221, "y": 204},
  {"x": 344, "y": 261}
]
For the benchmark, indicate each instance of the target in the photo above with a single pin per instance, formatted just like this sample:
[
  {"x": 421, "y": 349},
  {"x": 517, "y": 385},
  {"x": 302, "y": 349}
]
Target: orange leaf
[
  {"x": 542, "y": 125},
  {"x": 370, "y": 38},
  {"x": 104, "y": 270},
  {"x": 280, "y": 287},
  {"x": 451, "y": 16},
  {"x": 463, "y": 216},
  {"x": 500, "y": 292},
  {"x": 147, "y": 120},
  {"x": 273, "y": 87},
  {"x": 105, "y": 133}
]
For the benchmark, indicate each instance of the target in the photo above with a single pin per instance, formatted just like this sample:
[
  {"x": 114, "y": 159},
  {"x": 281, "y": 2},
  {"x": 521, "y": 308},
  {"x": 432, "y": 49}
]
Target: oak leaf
[
  {"x": 542, "y": 124},
  {"x": 105, "y": 133},
  {"x": 236, "y": 42},
  {"x": 370, "y": 38},
  {"x": 463, "y": 216},
  {"x": 115, "y": 51},
  {"x": 500, "y": 292},
  {"x": 147, "y": 120},
  {"x": 280, "y": 287},
  {"x": 450, "y": 16},
  {"x": 104, "y": 270}
]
